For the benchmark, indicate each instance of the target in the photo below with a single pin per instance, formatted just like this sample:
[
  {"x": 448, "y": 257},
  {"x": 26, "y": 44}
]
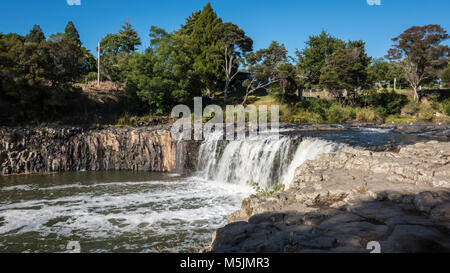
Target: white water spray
[
  {"x": 309, "y": 149},
  {"x": 266, "y": 160}
]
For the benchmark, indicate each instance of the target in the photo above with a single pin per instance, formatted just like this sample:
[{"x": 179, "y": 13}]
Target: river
[{"x": 158, "y": 212}]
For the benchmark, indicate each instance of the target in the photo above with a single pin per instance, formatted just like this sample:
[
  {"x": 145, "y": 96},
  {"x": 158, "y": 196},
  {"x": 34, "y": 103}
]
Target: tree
[
  {"x": 36, "y": 35},
  {"x": 64, "y": 59},
  {"x": 286, "y": 88},
  {"x": 163, "y": 76},
  {"x": 89, "y": 63},
  {"x": 378, "y": 71},
  {"x": 72, "y": 33},
  {"x": 445, "y": 78},
  {"x": 115, "y": 50},
  {"x": 346, "y": 71},
  {"x": 199, "y": 39},
  {"x": 311, "y": 60},
  {"x": 128, "y": 38},
  {"x": 263, "y": 67},
  {"x": 422, "y": 56},
  {"x": 235, "y": 45},
  {"x": 385, "y": 73}
]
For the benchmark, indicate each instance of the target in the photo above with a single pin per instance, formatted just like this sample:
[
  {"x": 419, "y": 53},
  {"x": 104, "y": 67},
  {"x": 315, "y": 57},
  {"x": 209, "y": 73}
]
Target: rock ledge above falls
[{"x": 342, "y": 201}]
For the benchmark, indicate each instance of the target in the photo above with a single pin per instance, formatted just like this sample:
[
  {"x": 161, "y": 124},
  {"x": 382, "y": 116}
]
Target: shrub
[
  {"x": 314, "y": 105},
  {"x": 367, "y": 115},
  {"x": 90, "y": 77},
  {"x": 446, "y": 106},
  {"x": 412, "y": 108},
  {"x": 336, "y": 115},
  {"x": 387, "y": 102}
]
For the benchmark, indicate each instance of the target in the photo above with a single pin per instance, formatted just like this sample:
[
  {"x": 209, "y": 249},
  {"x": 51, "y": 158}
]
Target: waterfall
[
  {"x": 309, "y": 149},
  {"x": 265, "y": 159}
]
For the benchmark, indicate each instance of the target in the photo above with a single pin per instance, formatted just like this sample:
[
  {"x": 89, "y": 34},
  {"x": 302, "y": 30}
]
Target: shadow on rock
[{"x": 399, "y": 223}]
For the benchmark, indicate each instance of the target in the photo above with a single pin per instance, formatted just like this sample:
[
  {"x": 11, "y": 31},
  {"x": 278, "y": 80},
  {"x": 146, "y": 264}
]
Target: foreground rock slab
[{"x": 346, "y": 201}]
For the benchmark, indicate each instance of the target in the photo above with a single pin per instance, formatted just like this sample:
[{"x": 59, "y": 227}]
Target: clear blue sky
[{"x": 290, "y": 22}]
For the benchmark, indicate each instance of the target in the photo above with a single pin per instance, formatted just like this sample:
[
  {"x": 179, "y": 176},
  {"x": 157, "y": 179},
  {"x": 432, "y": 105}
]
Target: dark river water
[{"x": 112, "y": 212}]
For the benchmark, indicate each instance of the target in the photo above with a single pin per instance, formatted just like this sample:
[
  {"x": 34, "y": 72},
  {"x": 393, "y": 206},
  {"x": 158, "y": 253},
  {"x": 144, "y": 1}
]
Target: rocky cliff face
[
  {"x": 342, "y": 201},
  {"x": 75, "y": 149}
]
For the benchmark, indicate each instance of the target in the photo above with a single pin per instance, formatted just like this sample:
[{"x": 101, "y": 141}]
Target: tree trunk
[
  {"x": 225, "y": 93},
  {"x": 416, "y": 94},
  {"x": 244, "y": 103}
]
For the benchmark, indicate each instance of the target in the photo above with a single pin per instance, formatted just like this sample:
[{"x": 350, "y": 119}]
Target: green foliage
[
  {"x": 129, "y": 38},
  {"x": 317, "y": 106},
  {"x": 36, "y": 35},
  {"x": 267, "y": 67},
  {"x": 286, "y": 89},
  {"x": 411, "y": 108},
  {"x": 315, "y": 110},
  {"x": 446, "y": 77},
  {"x": 346, "y": 70},
  {"x": 187, "y": 62},
  {"x": 89, "y": 62},
  {"x": 64, "y": 58},
  {"x": 36, "y": 75},
  {"x": 446, "y": 107},
  {"x": 421, "y": 53},
  {"x": 311, "y": 60},
  {"x": 267, "y": 191},
  {"x": 387, "y": 102},
  {"x": 385, "y": 73},
  {"x": 90, "y": 77},
  {"x": 72, "y": 33},
  {"x": 426, "y": 115},
  {"x": 162, "y": 77},
  {"x": 116, "y": 50}
]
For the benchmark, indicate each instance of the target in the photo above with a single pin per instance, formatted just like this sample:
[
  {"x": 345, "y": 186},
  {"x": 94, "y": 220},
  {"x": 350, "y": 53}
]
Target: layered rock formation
[
  {"x": 345, "y": 201},
  {"x": 75, "y": 149}
]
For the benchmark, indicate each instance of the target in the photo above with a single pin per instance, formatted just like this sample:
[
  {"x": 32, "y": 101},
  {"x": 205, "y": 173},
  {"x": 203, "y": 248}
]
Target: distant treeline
[{"x": 210, "y": 58}]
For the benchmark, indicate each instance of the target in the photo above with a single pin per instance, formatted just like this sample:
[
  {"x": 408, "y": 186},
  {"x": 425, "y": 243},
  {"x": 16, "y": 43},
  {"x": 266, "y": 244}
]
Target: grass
[
  {"x": 328, "y": 111},
  {"x": 267, "y": 191}
]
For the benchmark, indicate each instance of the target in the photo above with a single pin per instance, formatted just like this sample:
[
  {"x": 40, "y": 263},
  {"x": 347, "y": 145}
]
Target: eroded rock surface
[
  {"x": 342, "y": 201},
  {"x": 74, "y": 149}
]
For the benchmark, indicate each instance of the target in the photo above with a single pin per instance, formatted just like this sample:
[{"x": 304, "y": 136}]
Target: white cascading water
[
  {"x": 265, "y": 160},
  {"x": 309, "y": 149}
]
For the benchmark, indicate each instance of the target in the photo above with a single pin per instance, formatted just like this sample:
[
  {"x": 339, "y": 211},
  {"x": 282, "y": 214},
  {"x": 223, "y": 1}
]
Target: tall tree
[
  {"x": 65, "y": 59},
  {"x": 163, "y": 76},
  {"x": 386, "y": 73},
  {"x": 200, "y": 39},
  {"x": 115, "y": 51},
  {"x": 36, "y": 35},
  {"x": 129, "y": 38},
  {"x": 72, "y": 33},
  {"x": 346, "y": 71},
  {"x": 263, "y": 66},
  {"x": 422, "y": 54},
  {"x": 311, "y": 60},
  {"x": 287, "y": 76},
  {"x": 235, "y": 45}
]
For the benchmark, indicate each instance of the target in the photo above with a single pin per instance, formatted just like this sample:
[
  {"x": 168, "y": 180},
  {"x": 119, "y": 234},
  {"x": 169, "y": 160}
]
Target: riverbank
[{"x": 342, "y": 201}]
